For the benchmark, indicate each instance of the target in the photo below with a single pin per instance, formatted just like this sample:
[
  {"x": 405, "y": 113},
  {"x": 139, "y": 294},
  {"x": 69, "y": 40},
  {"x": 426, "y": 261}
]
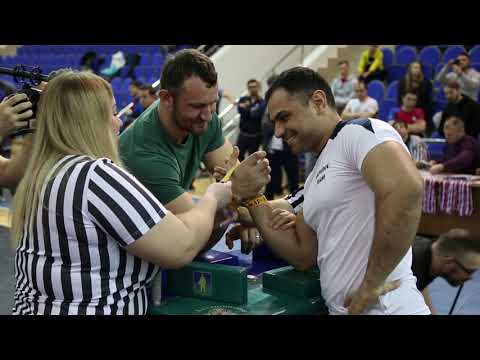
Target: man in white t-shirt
[
  {"x": 361, "y": 107},
  {"x": 362, "y": 202}
]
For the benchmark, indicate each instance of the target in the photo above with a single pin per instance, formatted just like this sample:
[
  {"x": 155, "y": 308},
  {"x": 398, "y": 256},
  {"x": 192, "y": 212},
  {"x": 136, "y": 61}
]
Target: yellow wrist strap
[
  {"x": 229, "y": 174},
  {"x": 253, "y": 203}
]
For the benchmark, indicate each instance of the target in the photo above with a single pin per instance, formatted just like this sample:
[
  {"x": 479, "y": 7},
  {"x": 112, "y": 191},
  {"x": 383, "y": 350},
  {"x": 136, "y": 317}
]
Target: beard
[{"x": 186, "y": 124}]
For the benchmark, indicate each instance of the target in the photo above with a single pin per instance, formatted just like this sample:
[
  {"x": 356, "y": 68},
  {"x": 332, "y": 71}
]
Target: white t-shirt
[
  {"x": 340, "y": 207},
  {"x": 357, "y": 106}
]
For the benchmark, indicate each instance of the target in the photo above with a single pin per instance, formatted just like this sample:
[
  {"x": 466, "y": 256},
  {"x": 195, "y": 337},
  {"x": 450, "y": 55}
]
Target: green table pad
[{"x": 260, "y": 302}]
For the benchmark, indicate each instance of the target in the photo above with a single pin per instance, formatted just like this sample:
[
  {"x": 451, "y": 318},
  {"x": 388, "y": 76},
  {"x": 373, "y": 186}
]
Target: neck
[
  {"x": 166, "y": 119},
  {"x": 362, "y": 99},
  {"x": 334, "y": 120},
  {"x": 406, "y": 138},
  {"x": 406, "y": 108},
  {"x": 344, "y": 77}
]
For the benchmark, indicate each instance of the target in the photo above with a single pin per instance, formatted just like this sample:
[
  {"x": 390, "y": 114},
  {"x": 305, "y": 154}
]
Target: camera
[
  {"x": 456, "y": 62},
  {"x": 28, "y": 88}
]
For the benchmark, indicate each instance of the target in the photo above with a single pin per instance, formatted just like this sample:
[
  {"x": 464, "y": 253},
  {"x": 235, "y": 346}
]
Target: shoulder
[
  {"x": 361, "y": 127},
  {"x": 372, "y": 101}
]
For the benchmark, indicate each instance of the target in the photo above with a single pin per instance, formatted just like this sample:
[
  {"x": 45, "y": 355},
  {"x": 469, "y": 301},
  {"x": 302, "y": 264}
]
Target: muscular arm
[
  {"x": 298, "y": 246},
  {"x": 419, "y": 127},
  {"x": 185, "y": 203},
  {"x": 350, "y": 116},
  {"x": 218, "y": 156},
  {"x": 398, "y": 189}
]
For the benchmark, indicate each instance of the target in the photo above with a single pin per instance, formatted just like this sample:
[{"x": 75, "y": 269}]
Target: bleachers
[
  {"x": 52, "y": 57},
  {"x": 432, "y": 60}
]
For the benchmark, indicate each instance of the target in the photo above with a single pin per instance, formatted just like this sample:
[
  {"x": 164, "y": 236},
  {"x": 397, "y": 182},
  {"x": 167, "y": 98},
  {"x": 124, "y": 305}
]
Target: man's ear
[
  {"x": 319, "y": 100},
  {"x": 166, "y": 98}
]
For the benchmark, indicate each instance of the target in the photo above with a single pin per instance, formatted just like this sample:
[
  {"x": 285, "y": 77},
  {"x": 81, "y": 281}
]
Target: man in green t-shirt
[{"x": 163, "y": 148}]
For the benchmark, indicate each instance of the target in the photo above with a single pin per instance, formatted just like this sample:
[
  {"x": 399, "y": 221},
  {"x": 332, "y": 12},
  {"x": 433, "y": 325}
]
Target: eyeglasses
[{"x": 467, "y": 270}]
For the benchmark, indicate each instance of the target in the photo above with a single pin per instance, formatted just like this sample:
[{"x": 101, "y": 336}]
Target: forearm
[
  {"x": 419, "y": 127},
  {"x": 12, "y": 170},
  {"x": 442, "y": 75},
  {"x": 217, "y": 234},
  {"x": 284, "y": 243},
  {"x": 396, "y": 222},
  {"x": 199, "y": 222},
  {"x": 460, "y": 162},
  {"x": 246, "y": 219},
  {"x": 349, "y": 116},
  {"x": 428, "y": 301}
]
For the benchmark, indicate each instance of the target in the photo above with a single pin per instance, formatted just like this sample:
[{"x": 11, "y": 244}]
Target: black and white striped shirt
[
  {"x": 71, "y": 258},
  {"x": 295, "y": 199}
]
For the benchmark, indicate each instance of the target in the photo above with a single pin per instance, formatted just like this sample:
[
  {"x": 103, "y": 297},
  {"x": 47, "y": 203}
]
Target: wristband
[{"x": 253, "y": 203}]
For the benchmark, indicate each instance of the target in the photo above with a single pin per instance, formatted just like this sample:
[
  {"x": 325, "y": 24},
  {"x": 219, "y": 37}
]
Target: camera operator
[
  {"x": 14, "y": 111},
  {"x": 460, "y": 70}
]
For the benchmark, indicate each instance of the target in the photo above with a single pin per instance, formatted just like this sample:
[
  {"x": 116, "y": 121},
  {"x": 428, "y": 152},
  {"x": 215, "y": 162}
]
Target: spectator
[
  {"x": 415, "y": 145},
  {"x": 147, "y": 96},
  {"x": 279, "y": 155},
  {"x": 461, "y": 155},
  {"x": 462, "y": 106},
  {"x": 416, "y": 81},
  {"x": 251, "y": 109},
  {"x": 412, "y": 115},
  {"x": 370, "y": 66},
  {"x": 454, "y": 256},
  {"x": 361, "y": 107},
  {"x": 343, "y": 87},
  {"x": 459, "y": 70}
]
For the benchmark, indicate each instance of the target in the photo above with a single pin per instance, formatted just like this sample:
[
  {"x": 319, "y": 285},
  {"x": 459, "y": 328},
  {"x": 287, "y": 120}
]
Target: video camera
[{"x": 29, "y": 80}]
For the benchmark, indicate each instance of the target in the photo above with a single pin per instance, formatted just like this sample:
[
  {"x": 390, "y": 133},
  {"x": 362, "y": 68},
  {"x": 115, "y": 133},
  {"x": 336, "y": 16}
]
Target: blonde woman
[{"x": 90, "y": 236}]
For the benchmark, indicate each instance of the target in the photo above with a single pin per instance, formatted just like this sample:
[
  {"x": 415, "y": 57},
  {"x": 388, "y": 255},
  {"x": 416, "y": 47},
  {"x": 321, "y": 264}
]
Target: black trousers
[
  {"x": 289, "y": 161},
  {"x": 377, "y": 75},
  {"x": 248, "y": 144}
]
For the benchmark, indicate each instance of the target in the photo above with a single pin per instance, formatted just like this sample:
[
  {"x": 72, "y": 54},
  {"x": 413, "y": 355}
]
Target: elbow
[{"x": 304, "y": 264}]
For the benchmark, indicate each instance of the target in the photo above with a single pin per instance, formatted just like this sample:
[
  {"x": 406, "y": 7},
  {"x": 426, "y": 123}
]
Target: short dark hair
[
  {"x": 136, "y": 83},
  {"x": 456, "y": 119},
  {"x": 453, "y": 84},
  {"x": 341, "y": 62},
  {"x": 463, "y": 53},
  {"x": 185, "y": 64},
  {"x": 252, "y": 81},
  {"x": 151, "y": 90},
  {"x": 458, "y": 241},
  {"x": 400, "y": 122},
  {"x": 411, "y": 92},
  {"x": 271, "y": 79},
  {"x": 301, "y": 81}
]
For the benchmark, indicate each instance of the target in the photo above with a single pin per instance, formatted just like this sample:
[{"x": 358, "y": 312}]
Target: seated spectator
[
  {"x": 411, "y": 114},
  {"x": 459, "y": 70},
  {"x": 415, "y": 81},
  {"x": 370, "y": 66},
  {"x": 147, "y": 96},
  {"x": 454, "y": 256},
  {"x": 418, "y": 149},
  {"x": 461, "y": 155},
  {"x": 361, "y": 107},
  {"x": 343, "y": 87},
  {"x": 462, "y": 106}
]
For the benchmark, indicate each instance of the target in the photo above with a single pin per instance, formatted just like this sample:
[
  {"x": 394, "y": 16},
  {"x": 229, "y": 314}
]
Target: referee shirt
[{"x": 71, "y": 258}]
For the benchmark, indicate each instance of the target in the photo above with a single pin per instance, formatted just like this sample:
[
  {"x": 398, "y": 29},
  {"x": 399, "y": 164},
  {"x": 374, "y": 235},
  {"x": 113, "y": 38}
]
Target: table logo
[{"x": 202, "y": 283}]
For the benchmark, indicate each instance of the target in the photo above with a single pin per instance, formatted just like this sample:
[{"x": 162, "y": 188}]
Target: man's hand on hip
[{"x": 366, "y": 296}]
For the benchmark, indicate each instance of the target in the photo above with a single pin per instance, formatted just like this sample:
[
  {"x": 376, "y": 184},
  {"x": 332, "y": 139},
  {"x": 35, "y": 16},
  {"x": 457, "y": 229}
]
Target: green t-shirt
[{"x": 164, "y": 167}]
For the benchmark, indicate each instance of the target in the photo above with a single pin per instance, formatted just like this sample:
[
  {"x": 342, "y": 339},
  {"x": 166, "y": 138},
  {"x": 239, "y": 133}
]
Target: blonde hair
[
  {"x": 74, "y": 118},
  {"x": 411, "y": 83}
]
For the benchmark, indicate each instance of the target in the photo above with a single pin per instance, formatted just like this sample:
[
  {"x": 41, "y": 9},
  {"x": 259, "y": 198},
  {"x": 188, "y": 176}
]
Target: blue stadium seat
[
  {"x": 396, "y": 72},
  {"x": 388, "y": 57},
  {"x": 476, "y": 65},
  {"x": 475, "y": 54},
  {"x": 385, "y": 108},
  {"x": 392, "y": 91},
  {"x": 438, "y": 68},
  {"x": 440, "y": 95},
  {"x": 452, "y": 52},
  {"x": 392, "y": 112},
  {"x": 376, "y": 90},
  {"x": 439, "y": 106},
  {"x": 405, "y": 56},
  {"x": 430, "y": 55}
]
